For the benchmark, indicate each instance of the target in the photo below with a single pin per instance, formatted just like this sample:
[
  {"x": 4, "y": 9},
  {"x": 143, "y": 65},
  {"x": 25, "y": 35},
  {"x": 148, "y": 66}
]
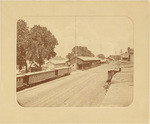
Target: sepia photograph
[
  {"x": 74, "y": 61},
  {"x": 78, "y": 61}
]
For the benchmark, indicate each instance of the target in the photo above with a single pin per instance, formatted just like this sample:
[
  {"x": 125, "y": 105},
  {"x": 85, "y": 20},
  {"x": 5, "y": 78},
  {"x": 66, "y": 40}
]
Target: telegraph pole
[
  {"x": 75, "y": 45},
  {"x": 75, "y": 39}
]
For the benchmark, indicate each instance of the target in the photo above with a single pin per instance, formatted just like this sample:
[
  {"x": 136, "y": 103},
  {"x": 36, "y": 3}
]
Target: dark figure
[{"x": 111, "y": 73}]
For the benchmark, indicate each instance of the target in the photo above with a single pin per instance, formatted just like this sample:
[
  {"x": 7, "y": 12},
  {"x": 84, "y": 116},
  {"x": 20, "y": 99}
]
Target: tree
[
  {"x": 34, "y": 45},
  {"x": 42, "y": 45},
  {"x": 101, "y": 56},
  {"x": 80, "y": 51},
  {"x": 22, "y": 43},
  {"x": 70, "y": 55}
]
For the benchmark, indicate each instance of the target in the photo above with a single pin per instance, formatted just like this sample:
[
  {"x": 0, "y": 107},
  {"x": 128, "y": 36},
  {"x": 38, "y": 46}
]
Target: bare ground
[{"x": 80, "y": 89}]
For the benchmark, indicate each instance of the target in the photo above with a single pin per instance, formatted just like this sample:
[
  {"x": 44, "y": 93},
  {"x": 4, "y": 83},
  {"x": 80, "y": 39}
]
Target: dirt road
[{"x": 80, "y": 89}]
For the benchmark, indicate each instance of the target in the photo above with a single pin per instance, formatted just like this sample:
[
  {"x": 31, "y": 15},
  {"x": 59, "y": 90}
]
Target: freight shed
[{"x": 83, "y": 63}]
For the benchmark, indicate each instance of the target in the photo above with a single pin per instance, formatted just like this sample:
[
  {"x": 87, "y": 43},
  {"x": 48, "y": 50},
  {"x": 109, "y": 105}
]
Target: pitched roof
[
  {"x": 111, "y": 58},
  {"x": 103, "y": 60},
  {"x": 88, "y": 58},
  {"x": 57, "y": 60}
]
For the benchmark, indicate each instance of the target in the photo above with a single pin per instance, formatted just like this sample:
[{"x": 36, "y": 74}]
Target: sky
[{"x": 101, "y": 35}]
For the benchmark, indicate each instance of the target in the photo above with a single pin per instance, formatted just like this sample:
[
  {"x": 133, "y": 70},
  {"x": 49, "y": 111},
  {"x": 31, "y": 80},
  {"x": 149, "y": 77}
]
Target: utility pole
[
  {"x": 75, "y": 45},
  {"x": 75, "y": 39}
]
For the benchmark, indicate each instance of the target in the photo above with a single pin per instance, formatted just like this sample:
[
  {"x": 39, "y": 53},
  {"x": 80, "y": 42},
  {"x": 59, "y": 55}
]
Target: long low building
[{"x": 83, "y": 63}]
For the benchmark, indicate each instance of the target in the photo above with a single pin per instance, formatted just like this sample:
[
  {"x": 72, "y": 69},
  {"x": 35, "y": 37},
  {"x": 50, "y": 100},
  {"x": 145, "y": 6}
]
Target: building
[
  {"x": 109, "y": 59},
  {"x": 128, "y": 56},
  {"x": 103, "y": 60},
  {"x": 125, "y": 56},
  {"x": 83, "y": 63},
  {"x": 55, "y": 62},
  {"x": 131, "y": 55},
  {"x": 115, "y": 57}
]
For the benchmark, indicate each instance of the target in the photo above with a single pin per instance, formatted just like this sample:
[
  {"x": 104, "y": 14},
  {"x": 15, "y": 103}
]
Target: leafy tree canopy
[
  {"x": 22, "y": 42},
  {"x": 80, "y": 51},
  {"x": 34, "y": 45},
  {"x": 101, "y": 56},
  {"x": 42, "y": 44}
]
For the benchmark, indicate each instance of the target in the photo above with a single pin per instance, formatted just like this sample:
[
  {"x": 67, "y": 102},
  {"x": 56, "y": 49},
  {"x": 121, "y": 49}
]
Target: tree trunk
[
  {"x": 26, "y": 68},
  {"x": 40, "y": 68},
  {"x": 29, "y": 66}
]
